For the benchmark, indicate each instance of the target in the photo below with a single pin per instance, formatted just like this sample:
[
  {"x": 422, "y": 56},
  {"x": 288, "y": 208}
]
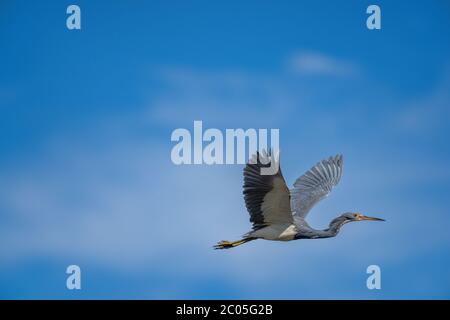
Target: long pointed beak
[{"x": 371, "y": 218}]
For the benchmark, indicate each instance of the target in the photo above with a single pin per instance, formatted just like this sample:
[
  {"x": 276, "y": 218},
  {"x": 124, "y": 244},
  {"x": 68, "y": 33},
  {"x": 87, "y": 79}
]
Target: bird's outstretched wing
[
  {"x": 266, "y": 196},
  {"x": 315, "y": 185}
]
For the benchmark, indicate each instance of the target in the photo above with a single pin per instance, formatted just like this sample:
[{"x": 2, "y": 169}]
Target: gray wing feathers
[
  {"x": 315, "y": 185},
  {"x": 266, "y": 196}
]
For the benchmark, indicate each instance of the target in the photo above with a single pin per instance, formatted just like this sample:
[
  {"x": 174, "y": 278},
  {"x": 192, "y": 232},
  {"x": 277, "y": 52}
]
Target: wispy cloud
[
  {"x": 221, "y": 97},
  {"x": 317, "y": 63},
  {"x": 430, "y": 112}
]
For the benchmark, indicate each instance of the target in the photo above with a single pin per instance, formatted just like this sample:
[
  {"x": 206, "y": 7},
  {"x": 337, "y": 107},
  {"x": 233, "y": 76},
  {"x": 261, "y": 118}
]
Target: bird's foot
[{"x": 225, "y": 244}]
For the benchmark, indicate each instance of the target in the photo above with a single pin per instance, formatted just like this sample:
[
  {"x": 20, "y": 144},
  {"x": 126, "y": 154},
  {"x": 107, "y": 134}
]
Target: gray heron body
[{"x": 278, "y": 213}]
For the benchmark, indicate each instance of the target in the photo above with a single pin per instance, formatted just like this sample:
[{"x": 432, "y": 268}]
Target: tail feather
[{"x": 231, "y": 244}]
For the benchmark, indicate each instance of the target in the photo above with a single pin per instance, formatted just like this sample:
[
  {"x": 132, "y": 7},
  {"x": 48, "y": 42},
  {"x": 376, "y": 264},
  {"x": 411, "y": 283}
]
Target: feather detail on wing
[
  {"x": 315, "y": 185},
  {"x": 266, "y": 196}
]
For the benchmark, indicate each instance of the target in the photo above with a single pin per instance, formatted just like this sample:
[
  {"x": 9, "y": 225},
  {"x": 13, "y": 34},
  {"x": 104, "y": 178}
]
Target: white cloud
[{"x": 316, "y": 63}]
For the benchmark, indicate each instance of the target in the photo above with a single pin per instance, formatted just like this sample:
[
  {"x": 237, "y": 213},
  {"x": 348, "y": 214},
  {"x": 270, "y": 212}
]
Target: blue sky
[{"x": 86, "y": 118}]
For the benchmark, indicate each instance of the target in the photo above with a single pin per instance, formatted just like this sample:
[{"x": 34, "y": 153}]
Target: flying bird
[{"x": 278, "y": 213}]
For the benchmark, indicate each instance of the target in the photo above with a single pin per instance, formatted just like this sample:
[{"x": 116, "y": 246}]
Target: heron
[{"x": 278, "y": 213}]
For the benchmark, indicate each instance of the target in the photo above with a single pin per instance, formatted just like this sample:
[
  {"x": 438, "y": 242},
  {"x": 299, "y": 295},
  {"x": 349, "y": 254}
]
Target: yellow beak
[{"x": 362, "y": 217}]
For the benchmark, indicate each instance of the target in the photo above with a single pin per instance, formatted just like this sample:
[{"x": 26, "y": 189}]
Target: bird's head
[{"x": 356, "y": 216}]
